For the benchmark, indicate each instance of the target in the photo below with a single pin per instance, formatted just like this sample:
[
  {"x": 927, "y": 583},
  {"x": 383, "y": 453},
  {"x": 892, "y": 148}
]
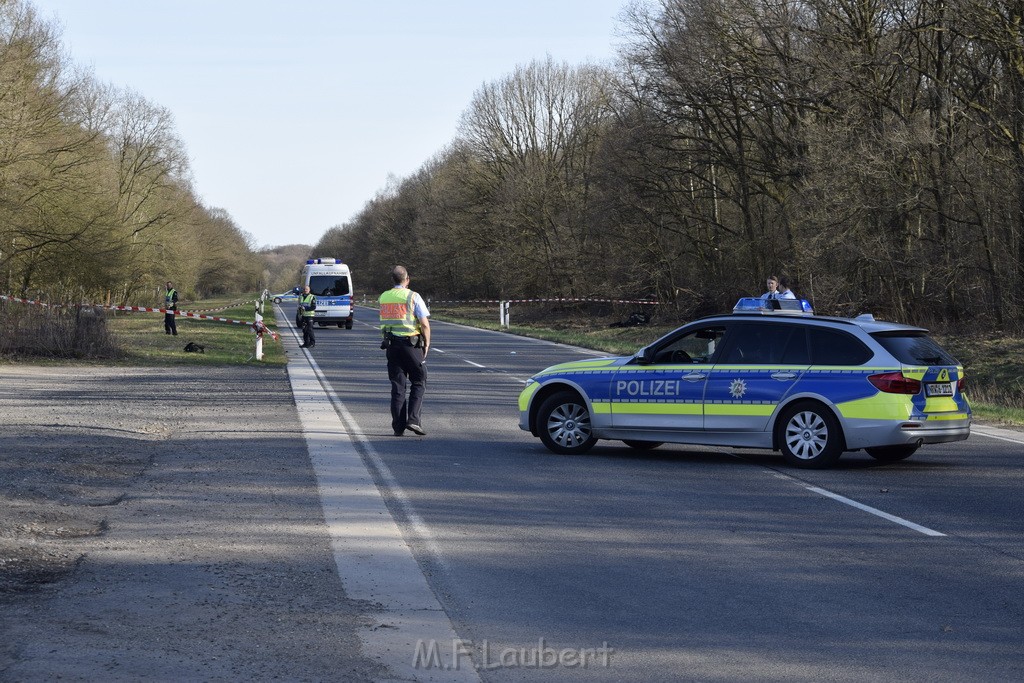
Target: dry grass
[{"x": 30, "y": 333}]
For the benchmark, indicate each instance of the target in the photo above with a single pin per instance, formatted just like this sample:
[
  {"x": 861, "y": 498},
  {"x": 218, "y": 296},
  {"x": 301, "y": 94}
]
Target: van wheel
[
  {"x": 810, "y": 436},
  {"x": 564, "y": 424},
  {"x": 348, "y": 325},
  {"x": 892, "y": 453},
  {"x": 642, "y": 445}
]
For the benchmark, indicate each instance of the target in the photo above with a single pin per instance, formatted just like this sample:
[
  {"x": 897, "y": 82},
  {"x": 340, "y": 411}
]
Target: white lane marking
[
  {"x": 1000, "y": 434},
  {"x": 860, "y": 506},
  {"x": 531, "y": 340},
  {"x": 373, "y": 559},
  {"x": 875, "y": 511},
  {"x": 475, "y": 365}
]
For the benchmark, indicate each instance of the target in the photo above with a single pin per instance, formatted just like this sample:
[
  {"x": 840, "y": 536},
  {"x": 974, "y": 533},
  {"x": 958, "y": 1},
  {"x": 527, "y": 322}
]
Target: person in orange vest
[{"x": 405, "y": 325}]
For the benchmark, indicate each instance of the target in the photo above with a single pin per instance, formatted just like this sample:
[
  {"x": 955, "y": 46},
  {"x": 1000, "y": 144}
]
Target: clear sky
[{"x": 295, "y": 113}]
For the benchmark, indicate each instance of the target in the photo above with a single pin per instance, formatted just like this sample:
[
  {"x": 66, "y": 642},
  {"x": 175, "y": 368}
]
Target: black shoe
[
  {"x": 416, "y": 429},
  {"x": 302, "y": 346},
  {"x": 401, "y": 433}
]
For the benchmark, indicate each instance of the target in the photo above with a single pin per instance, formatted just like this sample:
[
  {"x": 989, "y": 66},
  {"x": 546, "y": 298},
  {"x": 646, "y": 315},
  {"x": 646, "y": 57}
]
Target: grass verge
[{"x": 142, "y": 339}]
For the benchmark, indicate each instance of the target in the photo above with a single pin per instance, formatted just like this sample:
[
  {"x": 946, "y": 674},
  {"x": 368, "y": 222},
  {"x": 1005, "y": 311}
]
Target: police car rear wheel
[
  {"x": 642, "y": 445},
  {"x": 892, "y": 453},
  {"x": 564, "y": 423},
  {"x": 810, "y": 436}
]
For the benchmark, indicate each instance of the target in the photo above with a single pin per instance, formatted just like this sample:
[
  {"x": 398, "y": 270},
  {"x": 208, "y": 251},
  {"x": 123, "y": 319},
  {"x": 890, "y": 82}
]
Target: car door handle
[
  {"x": 783, "y": 376},
  {"x": 695, "y": 376}
]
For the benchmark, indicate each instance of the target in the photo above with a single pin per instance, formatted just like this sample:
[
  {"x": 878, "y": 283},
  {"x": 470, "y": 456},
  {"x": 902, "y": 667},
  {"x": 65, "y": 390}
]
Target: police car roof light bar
[{"x": 773, "y": 306}]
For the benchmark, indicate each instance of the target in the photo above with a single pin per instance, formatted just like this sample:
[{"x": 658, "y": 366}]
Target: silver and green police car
[{"x": 770, "y": 375}]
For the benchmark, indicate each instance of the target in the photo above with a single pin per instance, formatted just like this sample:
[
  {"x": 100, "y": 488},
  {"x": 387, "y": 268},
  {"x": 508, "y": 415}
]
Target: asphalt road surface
[{"x": 687, "y": 563}]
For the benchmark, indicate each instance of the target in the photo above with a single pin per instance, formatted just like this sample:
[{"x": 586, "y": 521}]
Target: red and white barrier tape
[
  {"x": 148, "y": 309},
  {"x": 224, "y": 308}
]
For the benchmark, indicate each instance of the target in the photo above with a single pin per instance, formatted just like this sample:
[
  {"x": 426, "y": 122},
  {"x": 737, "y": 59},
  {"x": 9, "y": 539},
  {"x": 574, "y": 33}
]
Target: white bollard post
[{"x": 259, "y": 338}]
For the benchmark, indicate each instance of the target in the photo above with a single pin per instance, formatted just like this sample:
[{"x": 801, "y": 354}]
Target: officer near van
[
  {"x": 170, "y": 306},
  {"x": 405, "y": 325},
  {"x": 307, "y": 304}
]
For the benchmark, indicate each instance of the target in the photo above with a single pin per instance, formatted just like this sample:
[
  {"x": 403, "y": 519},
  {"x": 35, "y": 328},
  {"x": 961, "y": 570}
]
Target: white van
[{"x": 330, "y": 281}]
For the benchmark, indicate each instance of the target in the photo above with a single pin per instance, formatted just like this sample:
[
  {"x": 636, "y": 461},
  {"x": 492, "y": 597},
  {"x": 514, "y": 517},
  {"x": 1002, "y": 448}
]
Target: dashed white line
[
  {"x": 860, "y": 506},
  {"x": 875, "y": 511},
  {"x": 1000, "y": 434}
]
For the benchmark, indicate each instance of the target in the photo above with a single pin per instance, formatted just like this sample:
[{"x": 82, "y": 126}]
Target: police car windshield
[
  {"x": 915, "y": 349},
  {"x": 328, "y": 285}
]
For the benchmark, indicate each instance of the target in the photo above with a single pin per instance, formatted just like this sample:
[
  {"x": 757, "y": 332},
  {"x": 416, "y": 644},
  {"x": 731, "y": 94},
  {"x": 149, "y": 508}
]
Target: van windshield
[
  {"x": 915, "y": 349},
  {"x": 328, "y": 285}
]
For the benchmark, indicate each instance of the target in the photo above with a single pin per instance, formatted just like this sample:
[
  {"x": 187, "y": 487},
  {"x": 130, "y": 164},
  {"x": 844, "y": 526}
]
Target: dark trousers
[
  {"x": 170, "y": 325},
  {"x": 406, "y": 369},
  {"x": 308, "y": 338}
]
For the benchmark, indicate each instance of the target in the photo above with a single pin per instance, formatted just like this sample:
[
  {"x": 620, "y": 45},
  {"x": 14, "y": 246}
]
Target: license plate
[{"x": 940, "y": 389}]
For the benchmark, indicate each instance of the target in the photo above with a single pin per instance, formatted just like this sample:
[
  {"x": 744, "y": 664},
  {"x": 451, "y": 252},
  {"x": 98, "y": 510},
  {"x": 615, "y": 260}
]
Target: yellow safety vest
[
  {"x": 397, "y": 314},
  {"x": 304, "y": 300}
]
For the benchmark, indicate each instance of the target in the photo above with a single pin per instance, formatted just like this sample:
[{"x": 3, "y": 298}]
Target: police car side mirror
[{"x": 645, "y": 356}]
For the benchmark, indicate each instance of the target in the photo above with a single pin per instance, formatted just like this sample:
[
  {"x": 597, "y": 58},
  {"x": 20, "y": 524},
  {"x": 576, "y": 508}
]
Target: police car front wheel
[
  {"x": 563, "y": 422},
  {"x": 810, "y": 436}
]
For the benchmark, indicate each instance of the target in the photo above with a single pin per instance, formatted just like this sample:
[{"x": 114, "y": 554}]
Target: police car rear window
[
  {"x": 832, "y": 347},
  {"x": 914, "y": 349},
  {"x": 328, "y": 285}
]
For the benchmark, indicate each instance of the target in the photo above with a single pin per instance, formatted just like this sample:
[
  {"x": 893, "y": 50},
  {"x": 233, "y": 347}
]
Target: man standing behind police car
[
  {"x": 170, "y": 306},
  {"x": 307, "y": 304},
  {"x": 405, "y": 324}
]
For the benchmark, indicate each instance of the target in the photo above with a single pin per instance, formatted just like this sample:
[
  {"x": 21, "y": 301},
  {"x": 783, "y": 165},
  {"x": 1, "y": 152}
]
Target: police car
[
  {"x": 290, "y": 295},
  {"x": 770, "y": 375}
]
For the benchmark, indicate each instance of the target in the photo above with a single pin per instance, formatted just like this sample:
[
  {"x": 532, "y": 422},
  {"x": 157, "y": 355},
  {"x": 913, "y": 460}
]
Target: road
[{"x": 687, "y": 563}]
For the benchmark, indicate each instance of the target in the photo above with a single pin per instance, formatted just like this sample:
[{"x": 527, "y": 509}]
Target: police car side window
[
  {"x": 765, "y": 344},
  {"x": 697, "y": 346},
  {"x": 796, "y": 351},
  {"x": 834, "y": 347}
]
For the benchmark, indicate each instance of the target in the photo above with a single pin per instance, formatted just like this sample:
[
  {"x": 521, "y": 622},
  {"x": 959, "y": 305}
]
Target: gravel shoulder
[{"x": 160, "y": 524}]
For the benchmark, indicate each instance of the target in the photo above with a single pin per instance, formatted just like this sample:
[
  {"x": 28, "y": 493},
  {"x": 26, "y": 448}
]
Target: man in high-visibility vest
[
  {"x": 170, "y": 306},
  {"x": 307, "y": 304},
  {"x": 405, "y": 324}
]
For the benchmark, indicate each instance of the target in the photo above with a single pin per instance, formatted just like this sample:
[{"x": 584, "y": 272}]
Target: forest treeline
[
  {"x": 96, "y": 196},
  {"x": 870, "y": 150}
]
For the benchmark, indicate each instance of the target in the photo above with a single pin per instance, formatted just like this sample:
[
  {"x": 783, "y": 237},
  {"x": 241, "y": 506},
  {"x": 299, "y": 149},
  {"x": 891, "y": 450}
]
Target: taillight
[
  {"x": 895, "y": 383},
  {"x": 960, "y": 385}
]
